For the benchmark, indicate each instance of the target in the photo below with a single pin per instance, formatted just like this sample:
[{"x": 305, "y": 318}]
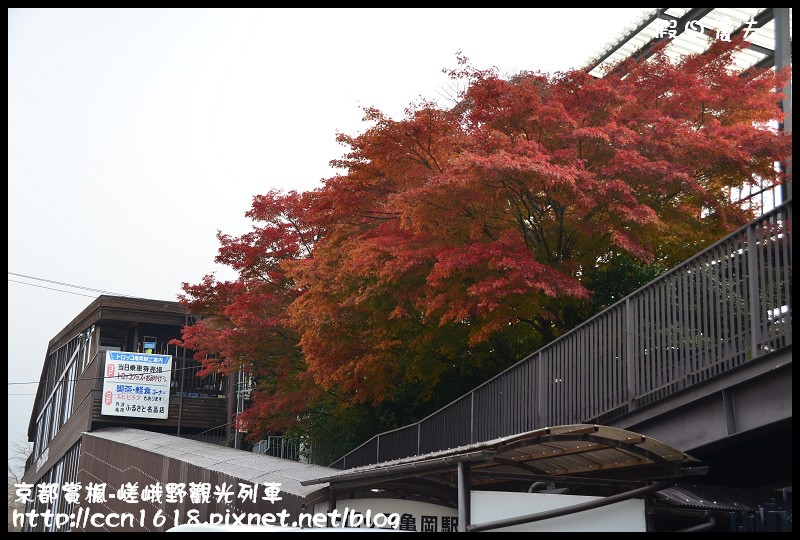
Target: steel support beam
[{"x": 464, "y": 489}]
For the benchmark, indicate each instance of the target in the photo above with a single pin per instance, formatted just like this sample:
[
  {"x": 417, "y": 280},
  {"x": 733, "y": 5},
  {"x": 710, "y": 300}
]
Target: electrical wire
[
  {"x": 70, "y": 292},
  {"x": 50, "y": 288},
  {"x": 62, "y": 284}
]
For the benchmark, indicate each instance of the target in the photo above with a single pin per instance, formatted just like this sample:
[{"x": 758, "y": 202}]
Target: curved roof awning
[{"x": 578, "y": 454}]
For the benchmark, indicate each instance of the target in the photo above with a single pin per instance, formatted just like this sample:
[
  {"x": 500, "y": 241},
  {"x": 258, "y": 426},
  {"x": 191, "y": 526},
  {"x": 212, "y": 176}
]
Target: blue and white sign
[{"x": 136, "y": 384}]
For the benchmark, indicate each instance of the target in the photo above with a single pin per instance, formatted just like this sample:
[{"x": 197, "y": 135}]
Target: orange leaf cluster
[{"x": 456, "y": 236}]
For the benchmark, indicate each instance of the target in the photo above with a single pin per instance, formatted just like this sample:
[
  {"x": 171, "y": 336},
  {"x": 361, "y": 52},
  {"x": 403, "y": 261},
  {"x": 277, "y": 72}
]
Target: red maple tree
[{"x": 460, "y": 239}]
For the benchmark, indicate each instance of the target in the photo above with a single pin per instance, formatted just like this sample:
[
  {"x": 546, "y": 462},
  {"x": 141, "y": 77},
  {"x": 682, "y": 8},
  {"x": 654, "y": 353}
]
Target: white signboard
[
  {"x": 136, "y": 384},
  {"x": 411, "y": 515},
  {"x": 624, "y": 516}
]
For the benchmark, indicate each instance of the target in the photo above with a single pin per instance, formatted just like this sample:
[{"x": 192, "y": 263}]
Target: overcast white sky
[{"x": 135, "y": 134}]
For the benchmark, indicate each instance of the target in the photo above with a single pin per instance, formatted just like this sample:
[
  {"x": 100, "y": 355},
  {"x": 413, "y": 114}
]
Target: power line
[
  {"x": 63, "y": 284},
  {"x": 50, "y": 288}
]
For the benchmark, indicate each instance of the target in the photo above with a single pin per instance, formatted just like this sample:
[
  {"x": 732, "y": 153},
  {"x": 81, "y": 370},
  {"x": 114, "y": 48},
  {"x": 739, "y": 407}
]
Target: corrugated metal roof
[
  {"x": 247, "y": 466},
  {"x": 691, "y": 30}
]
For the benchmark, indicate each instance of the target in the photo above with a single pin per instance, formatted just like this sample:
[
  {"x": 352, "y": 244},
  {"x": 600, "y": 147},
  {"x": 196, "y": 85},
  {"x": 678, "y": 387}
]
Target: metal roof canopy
[
  {"x": 768, "y": 32},
  {"x": 692, "y": 30},
  {"x": 247, "y": 466},
  {"x": 578, "y": 454}
]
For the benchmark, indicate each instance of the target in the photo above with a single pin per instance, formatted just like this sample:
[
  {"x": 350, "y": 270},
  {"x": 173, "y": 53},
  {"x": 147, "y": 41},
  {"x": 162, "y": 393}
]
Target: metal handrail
[{"x": 726, "y": 305}]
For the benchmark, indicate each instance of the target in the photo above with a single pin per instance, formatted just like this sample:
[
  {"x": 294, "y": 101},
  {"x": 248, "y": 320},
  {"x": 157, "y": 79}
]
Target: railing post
[
  {"x": 541, "y": 389},
  {"x": 630, "y": 354},
  {"x": 472, "y": 417},
  {"x": 752, "y": 281},
  {"x": 786, "y": 217}
]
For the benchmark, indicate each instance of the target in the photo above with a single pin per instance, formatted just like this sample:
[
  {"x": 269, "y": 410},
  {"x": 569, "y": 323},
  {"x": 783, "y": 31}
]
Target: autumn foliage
[{"x": 460, "y": 238}]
